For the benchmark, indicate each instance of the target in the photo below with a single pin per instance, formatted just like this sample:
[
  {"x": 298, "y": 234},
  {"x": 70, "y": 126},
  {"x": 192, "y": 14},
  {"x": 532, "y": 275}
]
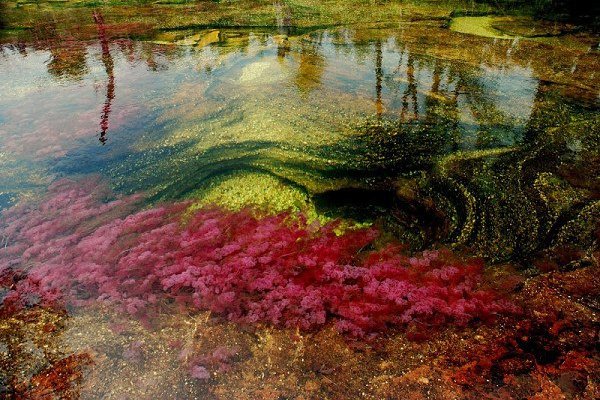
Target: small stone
[
  {"x": 385, "y": 365},
  {"x": 311, "y": 386}
]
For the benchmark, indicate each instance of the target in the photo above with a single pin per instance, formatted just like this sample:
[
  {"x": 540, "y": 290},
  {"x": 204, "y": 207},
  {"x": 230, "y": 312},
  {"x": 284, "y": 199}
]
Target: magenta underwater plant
[
  {"x": 75, "y": 247},
  {"x": 199, "y": 372}
]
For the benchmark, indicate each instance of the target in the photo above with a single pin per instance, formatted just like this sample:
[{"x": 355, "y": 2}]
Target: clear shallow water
[
  {"x": 436, "y": 139},
  {"x": 313, "y": 91}
]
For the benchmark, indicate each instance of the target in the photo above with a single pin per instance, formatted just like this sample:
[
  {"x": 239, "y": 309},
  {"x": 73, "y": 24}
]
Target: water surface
[{"x": 436, "y": 139}]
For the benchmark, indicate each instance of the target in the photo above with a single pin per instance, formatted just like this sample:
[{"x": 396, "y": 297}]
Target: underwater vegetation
[
  {"x": 73, "y": 248},
  {"x": 150, "y": 273},
  {"x": 545, "y": 353}
]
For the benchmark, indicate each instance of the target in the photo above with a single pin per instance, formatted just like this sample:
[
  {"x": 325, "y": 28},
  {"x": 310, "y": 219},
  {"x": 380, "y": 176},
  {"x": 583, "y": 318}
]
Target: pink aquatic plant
[
  {"x": 134, "y": 351},
  {"x": 220, "y": 360},
  {"x": 77, "y": 247},
  {"x": 199, "y": 372}
]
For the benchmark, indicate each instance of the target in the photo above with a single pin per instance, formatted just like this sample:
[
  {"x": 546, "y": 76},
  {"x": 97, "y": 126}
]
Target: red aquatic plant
[
  {"x": 199, "y": 372},
  {"x": 77, "y": 247}
]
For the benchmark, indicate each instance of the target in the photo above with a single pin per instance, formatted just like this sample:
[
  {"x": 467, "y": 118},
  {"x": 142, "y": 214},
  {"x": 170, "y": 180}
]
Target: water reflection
[
  {"x": 325, "y": 112},
  {"x": 2, "y": 15},
  {"x": 311, "y": 66},
  {"x": 68, "y": 61},
  {"x": 109, "y": 68},
  {"x": 378, "y": 76}
]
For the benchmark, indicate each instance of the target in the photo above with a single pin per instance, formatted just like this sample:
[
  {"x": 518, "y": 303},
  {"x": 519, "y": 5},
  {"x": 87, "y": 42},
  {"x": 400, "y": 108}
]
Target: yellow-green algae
[
  {"x": 262, "y": 191},
  {"x": 264, "y": 194},
  {"x": 479, "y": 26},
  {"x": 520, "y": 27}
]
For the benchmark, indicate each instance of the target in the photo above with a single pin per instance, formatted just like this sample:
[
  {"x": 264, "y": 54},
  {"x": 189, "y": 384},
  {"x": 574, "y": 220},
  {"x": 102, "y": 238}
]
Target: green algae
[
  {"x": 479, "y": 26},
  {"x": 242, "y": 189},
  {"x": 265, "y": 194}
]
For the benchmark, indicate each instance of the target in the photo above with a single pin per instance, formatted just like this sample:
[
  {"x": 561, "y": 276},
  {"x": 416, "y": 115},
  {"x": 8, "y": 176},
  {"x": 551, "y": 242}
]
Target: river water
[{"x": 328, "y": 148}]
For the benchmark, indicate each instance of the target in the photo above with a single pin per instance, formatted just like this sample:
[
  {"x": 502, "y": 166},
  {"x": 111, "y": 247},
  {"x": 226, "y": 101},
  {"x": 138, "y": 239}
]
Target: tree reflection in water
[{"x": 109, "y": 68}]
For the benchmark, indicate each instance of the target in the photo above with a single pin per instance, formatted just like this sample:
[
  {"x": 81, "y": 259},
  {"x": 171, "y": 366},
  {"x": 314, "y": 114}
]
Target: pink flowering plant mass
[{"x": 80, "y": 244}]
